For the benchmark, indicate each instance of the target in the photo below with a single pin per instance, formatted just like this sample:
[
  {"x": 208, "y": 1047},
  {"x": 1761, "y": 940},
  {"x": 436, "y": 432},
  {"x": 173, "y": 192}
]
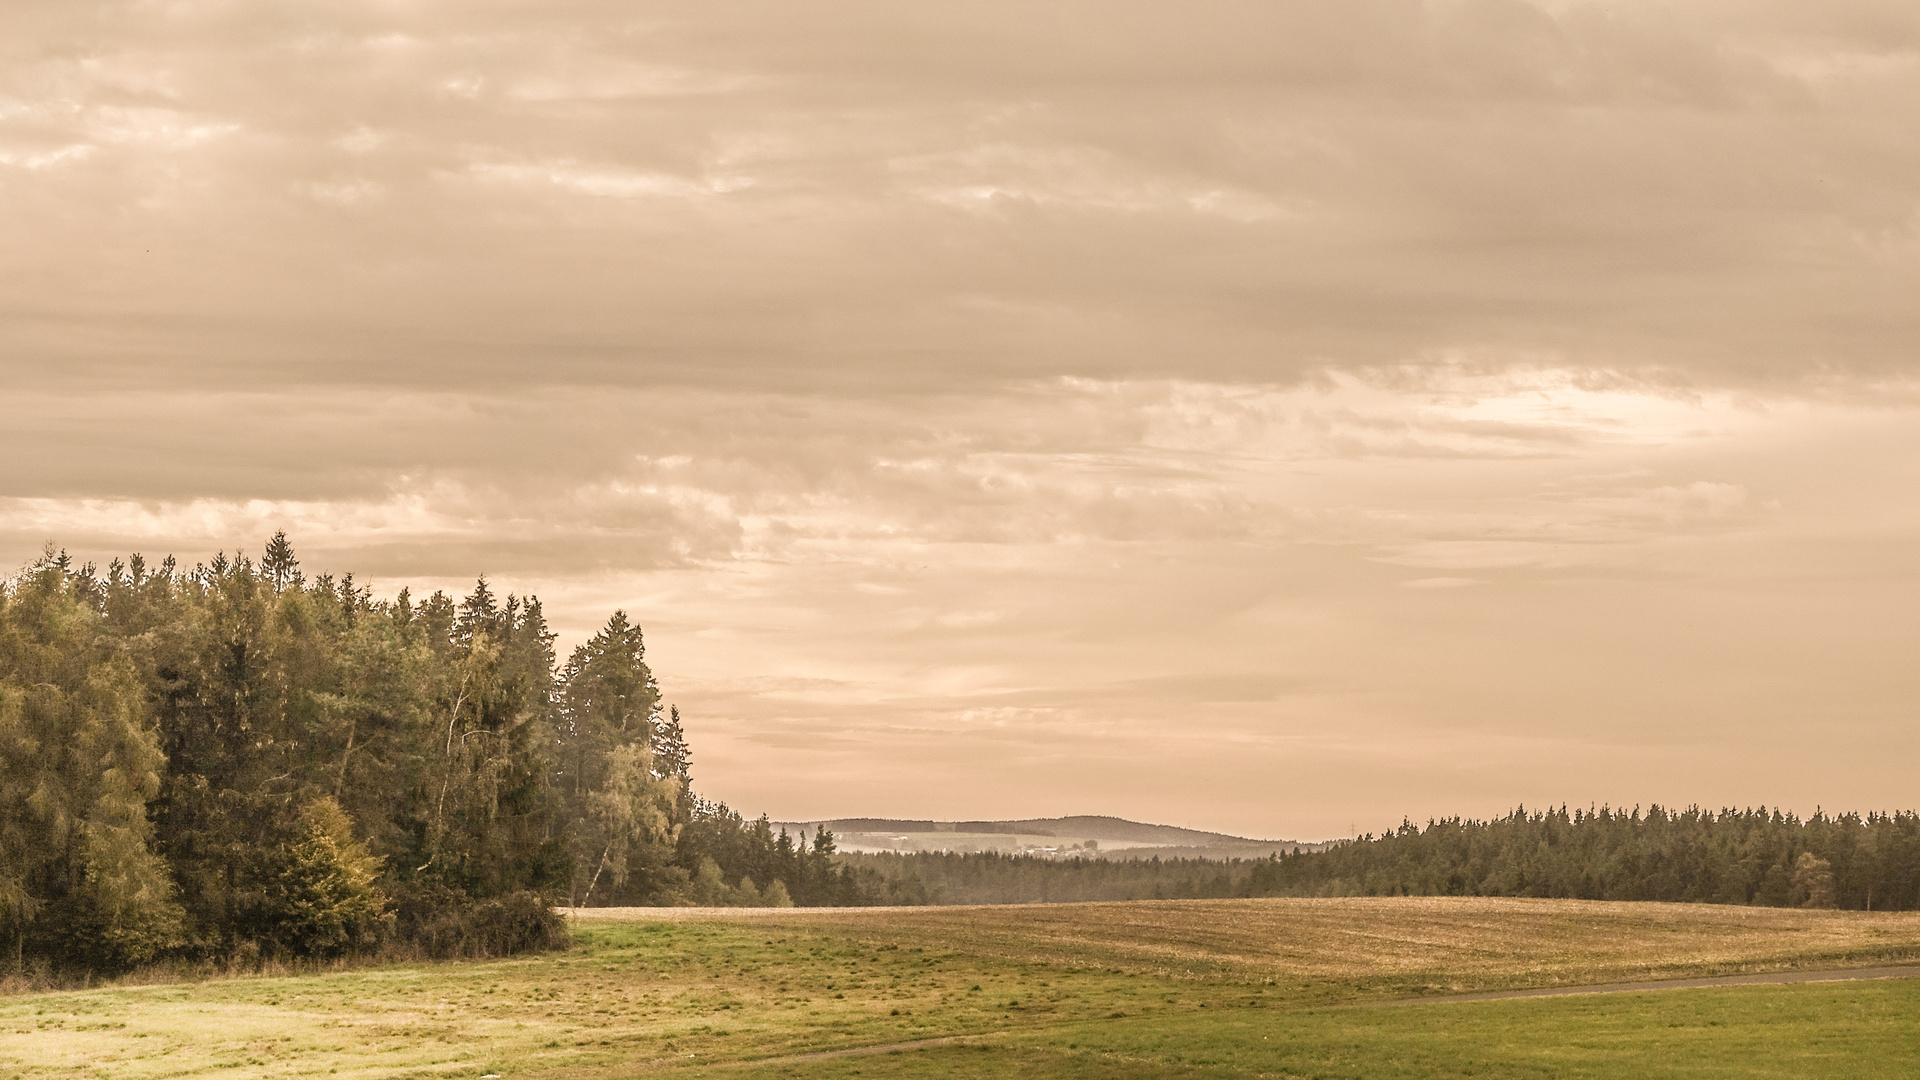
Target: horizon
[{"x": 1278, "y": 418}]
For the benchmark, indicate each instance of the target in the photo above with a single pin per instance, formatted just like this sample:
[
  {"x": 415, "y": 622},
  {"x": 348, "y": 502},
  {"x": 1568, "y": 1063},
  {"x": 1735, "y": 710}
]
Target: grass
[
  {"x": 1193, "y": 988},
  {"x": 1864, "y": 1031}
]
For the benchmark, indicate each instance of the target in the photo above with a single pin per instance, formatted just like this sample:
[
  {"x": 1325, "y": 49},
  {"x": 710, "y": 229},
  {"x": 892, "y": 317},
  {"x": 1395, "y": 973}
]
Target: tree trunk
[
  {"x": 596, "y": 874},
  {"x": 353, "y": 728}
]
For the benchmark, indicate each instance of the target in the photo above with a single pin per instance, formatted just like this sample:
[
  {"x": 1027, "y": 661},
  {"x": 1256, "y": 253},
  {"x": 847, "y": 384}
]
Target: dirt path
[{"x": 1766, "y": 978}]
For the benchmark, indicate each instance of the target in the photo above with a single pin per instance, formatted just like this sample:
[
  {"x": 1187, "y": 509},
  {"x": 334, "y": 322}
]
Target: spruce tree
[
  {"x": 671, "y": 757},
  {"x": 277, "y": 564}
]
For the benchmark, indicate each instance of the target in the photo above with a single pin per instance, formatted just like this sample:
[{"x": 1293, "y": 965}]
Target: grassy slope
[{"x": 1072, "y": 990}]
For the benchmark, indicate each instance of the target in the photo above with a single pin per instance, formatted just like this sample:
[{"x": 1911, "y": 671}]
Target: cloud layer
[
  {"x": 1272, "y": 416},
  {"x": 439, "y": 193}
]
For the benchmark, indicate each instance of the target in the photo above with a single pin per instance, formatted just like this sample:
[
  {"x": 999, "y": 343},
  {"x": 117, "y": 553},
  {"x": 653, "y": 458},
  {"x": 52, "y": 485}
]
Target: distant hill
[
  {"x": 1078, "y": 836},
  {"x": 1086, "y": 827}
]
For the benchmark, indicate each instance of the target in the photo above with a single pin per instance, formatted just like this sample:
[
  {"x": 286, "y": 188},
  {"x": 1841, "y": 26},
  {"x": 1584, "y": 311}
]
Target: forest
[
  {"x": 237, "y": 761},
  {"x": 1760, "y": 857},
  {"x": 1757, "y": 857}
]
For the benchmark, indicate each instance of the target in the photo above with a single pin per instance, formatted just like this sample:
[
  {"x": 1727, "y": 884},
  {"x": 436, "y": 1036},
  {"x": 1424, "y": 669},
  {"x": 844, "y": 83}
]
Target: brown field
[{"x": 1399, "y": 944}]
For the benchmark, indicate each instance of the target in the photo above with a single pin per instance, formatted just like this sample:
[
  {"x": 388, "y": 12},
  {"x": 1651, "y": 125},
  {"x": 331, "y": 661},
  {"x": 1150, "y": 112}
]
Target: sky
[{"x": 1278, "y": 417}]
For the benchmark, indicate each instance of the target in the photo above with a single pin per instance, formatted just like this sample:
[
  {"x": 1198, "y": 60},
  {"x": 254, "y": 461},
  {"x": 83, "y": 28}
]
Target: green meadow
[
  {"x": 1864, "y": 1030},
  {"x": 1283, "y": 988}
]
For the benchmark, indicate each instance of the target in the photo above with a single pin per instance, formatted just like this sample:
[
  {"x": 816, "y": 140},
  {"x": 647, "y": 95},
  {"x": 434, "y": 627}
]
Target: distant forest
[
  {"x": 237, "y": 761},
  {"x": 1756, "y": 857}
]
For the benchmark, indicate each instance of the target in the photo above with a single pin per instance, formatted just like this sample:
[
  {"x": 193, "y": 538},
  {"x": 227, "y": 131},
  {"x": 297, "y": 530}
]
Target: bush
[{"x": 445, "y": 923}]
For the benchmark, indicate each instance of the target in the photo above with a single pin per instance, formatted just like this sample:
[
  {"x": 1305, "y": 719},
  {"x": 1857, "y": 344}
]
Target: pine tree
[
  {"x": 671, "y": 757},
  {"x": 277, "y": 564},
  {"x": 478, "y": 615}
]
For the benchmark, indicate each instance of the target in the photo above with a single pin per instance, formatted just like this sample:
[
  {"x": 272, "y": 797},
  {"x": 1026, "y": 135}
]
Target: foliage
[
  {"x": 79, "y": 759},
  {"x": 243, "y": 760},
  {"x": 326, "y": 892},
  {"x": 630, "y": 812},
  {"x": 606, "y": 770},
  {"x": 445, "y": 923}
]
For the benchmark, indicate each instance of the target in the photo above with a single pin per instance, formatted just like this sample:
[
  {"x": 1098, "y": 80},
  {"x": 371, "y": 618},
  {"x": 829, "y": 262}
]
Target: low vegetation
[{"x": 1161, "y": 989}]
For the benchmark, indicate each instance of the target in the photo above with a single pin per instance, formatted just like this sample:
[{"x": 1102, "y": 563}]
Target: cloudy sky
[{"x": 1277, "y": 416}]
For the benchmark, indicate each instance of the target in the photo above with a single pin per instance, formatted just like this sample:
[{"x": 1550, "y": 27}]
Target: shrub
[{"x": 444, "y": 922}]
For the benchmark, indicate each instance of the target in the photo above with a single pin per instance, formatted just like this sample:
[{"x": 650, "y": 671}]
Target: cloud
[
  {"x": 1235, "y": 192},
  {"x": 1440, "y": 583},
  {"x": 1001, "y": 389},
  {"x": 604, "y": 182},
  {"x": 1471, "y": 471}
]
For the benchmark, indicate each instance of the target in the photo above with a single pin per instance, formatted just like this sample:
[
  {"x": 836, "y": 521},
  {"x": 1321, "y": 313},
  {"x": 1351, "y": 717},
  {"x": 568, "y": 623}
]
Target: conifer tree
[
  {"x": 607, "y": 700},
  {"x": 79, "y": 762},
  {"x": 325, "y": 891},
  {"x": 277, "y": 564},
  {"x": 671, "y": 757}
]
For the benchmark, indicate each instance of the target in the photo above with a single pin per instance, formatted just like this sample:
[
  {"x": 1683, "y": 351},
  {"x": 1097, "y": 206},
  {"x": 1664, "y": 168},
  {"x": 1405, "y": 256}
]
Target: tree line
[
  {"x": 1754, "y": 856},
  {"x": 1750, "y": 857},
  {"x": 236, "y": 760},
  {"x": 993, "y": 877}
]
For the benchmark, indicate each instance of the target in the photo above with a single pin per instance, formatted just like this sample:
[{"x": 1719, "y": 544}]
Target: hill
[{"x": 1083, "y": 836}]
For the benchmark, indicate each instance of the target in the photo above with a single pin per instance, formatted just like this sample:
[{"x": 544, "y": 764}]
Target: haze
[{"x": 1271, "y": 417}]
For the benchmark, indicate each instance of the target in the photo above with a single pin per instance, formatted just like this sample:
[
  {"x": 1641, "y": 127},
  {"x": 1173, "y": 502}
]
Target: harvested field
[{"x": 1413, "y": 944}]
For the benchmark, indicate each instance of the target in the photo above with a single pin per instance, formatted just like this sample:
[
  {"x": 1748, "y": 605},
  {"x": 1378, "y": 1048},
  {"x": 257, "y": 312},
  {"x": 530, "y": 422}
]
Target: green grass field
[{"x": 1293, "y": 988}]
